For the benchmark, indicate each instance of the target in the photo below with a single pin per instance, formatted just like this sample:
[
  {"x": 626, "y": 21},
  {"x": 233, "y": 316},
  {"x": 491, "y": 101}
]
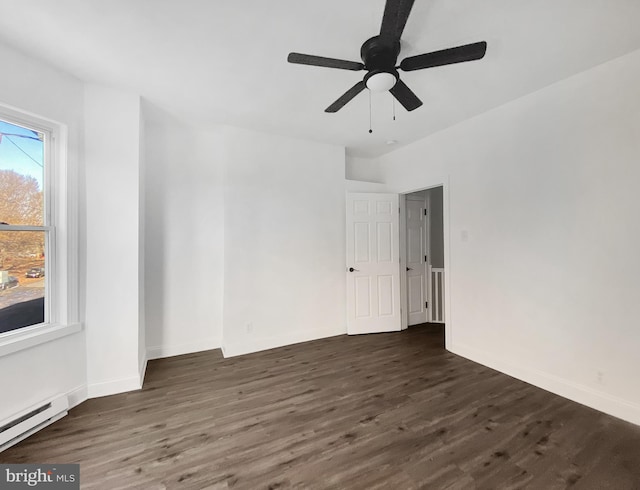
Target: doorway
[
  {"x": 377, "y": 270},
  {"x": 424, "y": 252}
]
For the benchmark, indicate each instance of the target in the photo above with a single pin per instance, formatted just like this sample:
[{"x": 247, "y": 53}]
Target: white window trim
[{"x": 61, "y": 209}]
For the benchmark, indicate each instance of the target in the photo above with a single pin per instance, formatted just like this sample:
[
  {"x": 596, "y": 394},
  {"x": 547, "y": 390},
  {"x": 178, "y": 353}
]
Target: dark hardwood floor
[{"x": 392, "y": 411}]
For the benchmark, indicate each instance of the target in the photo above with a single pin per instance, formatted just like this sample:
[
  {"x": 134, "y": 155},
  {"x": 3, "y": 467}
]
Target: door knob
[{"x": 351, "y": 269}]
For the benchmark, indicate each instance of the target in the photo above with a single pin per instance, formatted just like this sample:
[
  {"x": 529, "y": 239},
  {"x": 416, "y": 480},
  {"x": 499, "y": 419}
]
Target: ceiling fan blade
[
  {"x": 405, "y": 96},
  {"x": 396, "y": 13},
  {"x": 346, "y": 97},
  {"x": 468, "y": 52},
  {"x": 308, "y": 59}
]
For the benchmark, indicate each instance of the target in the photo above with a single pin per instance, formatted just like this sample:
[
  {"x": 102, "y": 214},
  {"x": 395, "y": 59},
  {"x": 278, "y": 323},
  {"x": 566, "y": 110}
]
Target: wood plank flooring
[{"x": 388, "y": 411}]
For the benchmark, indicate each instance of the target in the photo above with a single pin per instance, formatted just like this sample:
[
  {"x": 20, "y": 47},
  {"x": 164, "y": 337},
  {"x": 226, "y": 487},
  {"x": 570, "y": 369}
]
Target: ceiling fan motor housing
[{"x": 380, "y": 53}]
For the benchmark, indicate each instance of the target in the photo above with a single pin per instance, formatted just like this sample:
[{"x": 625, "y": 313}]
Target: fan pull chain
[
  {"x": 394, "y": 108},
  {"x": 370, "y": 130}
]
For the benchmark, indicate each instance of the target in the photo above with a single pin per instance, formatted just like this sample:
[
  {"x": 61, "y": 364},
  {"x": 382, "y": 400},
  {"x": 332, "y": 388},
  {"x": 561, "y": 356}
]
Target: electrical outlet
[
  {"x": 250, "y": 327},
  {"x": 600, "y": 376}
]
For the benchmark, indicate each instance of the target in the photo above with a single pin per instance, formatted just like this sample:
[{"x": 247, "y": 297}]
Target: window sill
[{"x": 12, "y": 342}]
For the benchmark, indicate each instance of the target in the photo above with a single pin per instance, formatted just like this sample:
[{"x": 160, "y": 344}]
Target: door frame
[{"x": 449, "y": 321}]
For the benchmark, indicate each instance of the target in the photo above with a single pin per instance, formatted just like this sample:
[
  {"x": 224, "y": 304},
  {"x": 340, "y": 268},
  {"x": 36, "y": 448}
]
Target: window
[
  {"x": 25, "y": 232},
  {"x": 34, "y": 230}
]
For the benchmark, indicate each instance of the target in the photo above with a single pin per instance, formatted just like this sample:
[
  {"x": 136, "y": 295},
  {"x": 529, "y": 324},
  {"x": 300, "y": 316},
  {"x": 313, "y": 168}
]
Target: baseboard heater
[{"x": 31, "y": 420}]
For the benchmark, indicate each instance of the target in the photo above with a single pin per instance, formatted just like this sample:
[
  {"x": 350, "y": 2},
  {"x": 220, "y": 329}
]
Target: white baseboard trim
[
  {"x": 113, "y": 387},
  {"x": 250, "y": 345},
  {"x": 77, "y": 396},
  {"x": 598, "y": 400},
  {"x": 161, "y": 351}
]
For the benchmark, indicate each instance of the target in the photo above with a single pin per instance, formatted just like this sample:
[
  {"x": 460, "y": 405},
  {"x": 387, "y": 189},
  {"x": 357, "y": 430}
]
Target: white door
[
  {"x": 416, "y": 212},
  {"x": 373, "y": 263}
]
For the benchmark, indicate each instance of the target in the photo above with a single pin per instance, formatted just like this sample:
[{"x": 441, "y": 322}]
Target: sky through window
[{"x": 22, "y": 150}]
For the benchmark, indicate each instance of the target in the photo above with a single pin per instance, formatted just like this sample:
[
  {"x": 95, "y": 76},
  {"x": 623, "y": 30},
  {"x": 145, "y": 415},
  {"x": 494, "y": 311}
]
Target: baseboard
[
  {"x": 161, "y": 351},
  {"x": 77, "y": 396},
  {"x": 251, "y": 345},
  {"x": 598, "y": 400},
  {"x": 113, "y": 387}
]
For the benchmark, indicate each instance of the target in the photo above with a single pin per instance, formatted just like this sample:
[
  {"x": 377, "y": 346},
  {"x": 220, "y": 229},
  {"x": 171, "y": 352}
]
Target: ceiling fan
[{"x": 380, "y": 54}]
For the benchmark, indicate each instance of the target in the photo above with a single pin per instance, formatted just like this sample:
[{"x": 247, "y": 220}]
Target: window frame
[{"x": 61, "y": 306}]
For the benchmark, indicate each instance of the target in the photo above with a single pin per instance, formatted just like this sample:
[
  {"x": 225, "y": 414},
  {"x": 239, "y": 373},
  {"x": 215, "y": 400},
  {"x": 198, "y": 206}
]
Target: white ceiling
[{"x": 224, "y": 61}]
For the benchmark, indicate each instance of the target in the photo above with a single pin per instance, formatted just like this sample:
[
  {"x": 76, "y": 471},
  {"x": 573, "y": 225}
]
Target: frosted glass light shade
[{"x": 381, "y": 82}]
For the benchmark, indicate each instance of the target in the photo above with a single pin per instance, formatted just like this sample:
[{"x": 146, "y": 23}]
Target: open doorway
[{"x": 424, "y": 253}]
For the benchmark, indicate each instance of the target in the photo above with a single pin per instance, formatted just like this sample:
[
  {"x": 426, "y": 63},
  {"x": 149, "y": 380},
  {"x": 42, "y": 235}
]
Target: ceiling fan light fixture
[
  {"x": 381, "y": 81},
  {"x": 380, "y": 59}
]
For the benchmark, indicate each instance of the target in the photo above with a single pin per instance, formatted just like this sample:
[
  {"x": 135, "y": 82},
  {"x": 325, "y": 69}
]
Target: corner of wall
[
  {"x": 77, "y": 396},
  {"x": 143, "y": 369},
  {"x": 162, "y": 351}
]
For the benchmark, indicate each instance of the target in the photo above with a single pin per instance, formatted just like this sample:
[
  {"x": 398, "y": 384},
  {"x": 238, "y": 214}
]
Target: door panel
[
  {"x": 416, "y": 263},
  {"x": 384, "y": 243},
  {"x": 363, "y": 297},
  {"x": 385, "y": 296},
  {"x": 416, "y": 294},
  {"x": 373, "y": 286},
  {"x": 361, "y": 245}
]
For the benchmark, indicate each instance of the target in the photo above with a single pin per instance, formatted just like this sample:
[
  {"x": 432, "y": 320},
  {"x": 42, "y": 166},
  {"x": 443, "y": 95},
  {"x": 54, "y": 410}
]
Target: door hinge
[
  {"x": 425, "y": 258},
  {"x": 425, "y": 211},
  {"x": 426, "y": 304}
]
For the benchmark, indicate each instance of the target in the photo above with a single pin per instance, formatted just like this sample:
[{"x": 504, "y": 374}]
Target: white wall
[
  {"x": 365, "y": 169},
  {"x": 142, "y": 322},
  {"x": 244, "y": 230},
  {"x": 284, "y": 254},
  {"x": 112, "y": 156},
  {"x": 541, "y": 198},
  {"x": 32, "y": 375},
  {"x": 184, "y": 236}
]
